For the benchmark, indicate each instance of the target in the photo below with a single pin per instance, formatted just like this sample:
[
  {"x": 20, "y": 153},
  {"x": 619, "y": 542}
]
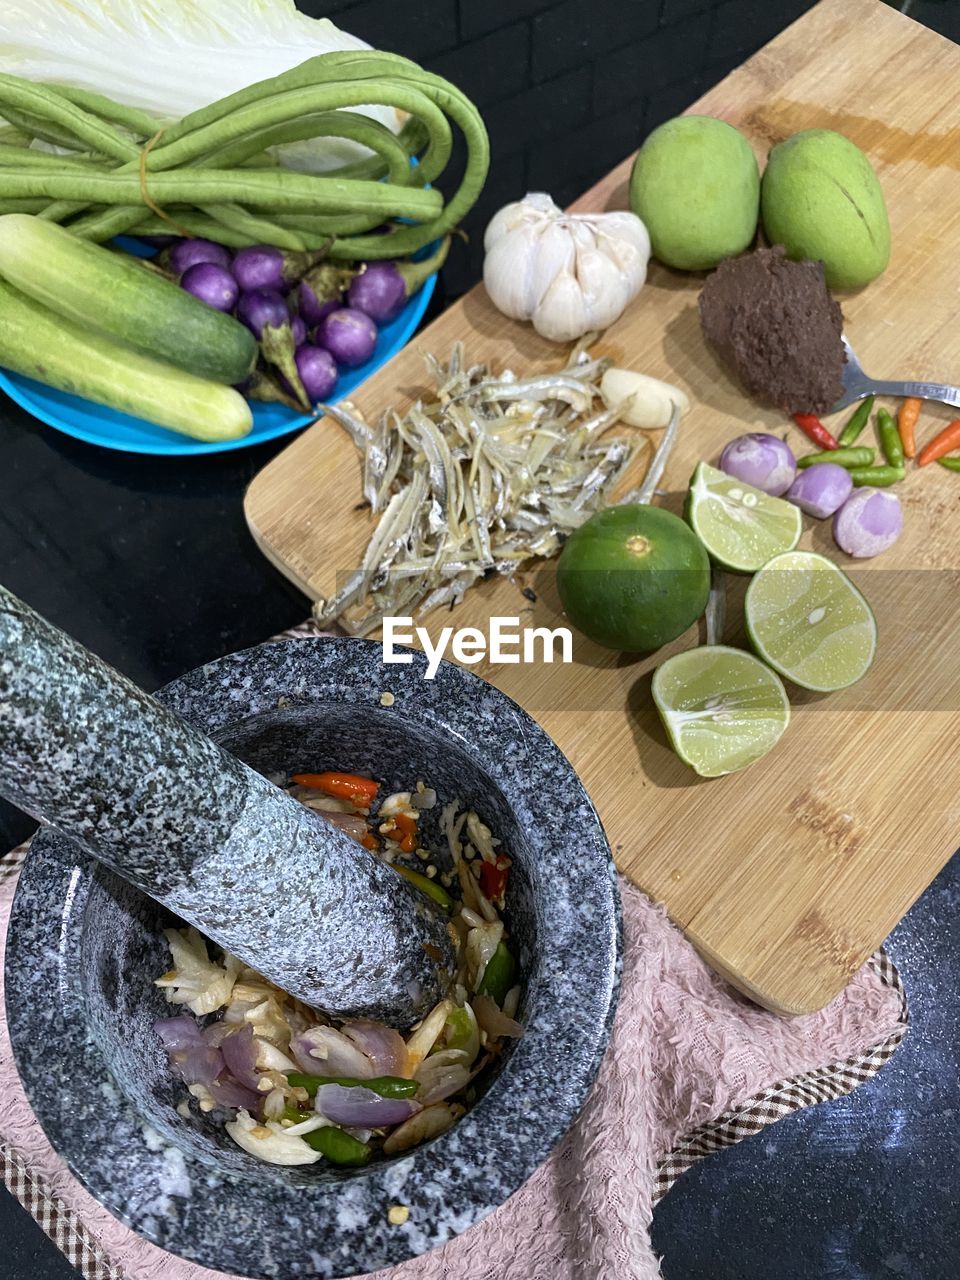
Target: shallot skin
[
  {"x": 821, "y": 490},
  {"x": 761, "y": 460}
]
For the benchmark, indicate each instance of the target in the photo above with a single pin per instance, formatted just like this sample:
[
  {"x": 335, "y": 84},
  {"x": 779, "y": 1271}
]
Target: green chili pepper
[
  {"x": 859, "y": 457},
  {"x": 889, "y": 438},
  {"x": 338, "y": 1146},
  {"x": 426, "y": 885},
  {"x": 498, "y": 975},
  {"x": 386, "y": 1086},
  {"x": 951, "y": 464},
  {"x": 877, "y": 477},
  {"x": 461, "y": 1031},
  {"x": 858, "y": 420},
  {"x": 293, "y": 1114}
]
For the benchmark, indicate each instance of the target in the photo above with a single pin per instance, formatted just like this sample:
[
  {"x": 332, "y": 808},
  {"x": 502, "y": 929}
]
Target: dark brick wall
[{"x": 567, "y": 87}]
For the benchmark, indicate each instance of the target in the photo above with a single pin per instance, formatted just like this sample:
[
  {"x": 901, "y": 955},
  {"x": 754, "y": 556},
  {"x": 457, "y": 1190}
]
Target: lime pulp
[
  {"x": 722, "y": 708},
  {"x": 740, "y": 526},
  {"x": 809, "y": 622}
]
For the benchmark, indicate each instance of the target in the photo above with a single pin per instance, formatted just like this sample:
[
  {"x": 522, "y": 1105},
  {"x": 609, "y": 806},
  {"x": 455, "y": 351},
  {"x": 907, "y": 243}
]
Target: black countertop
[{"x": 149, "y": 563}]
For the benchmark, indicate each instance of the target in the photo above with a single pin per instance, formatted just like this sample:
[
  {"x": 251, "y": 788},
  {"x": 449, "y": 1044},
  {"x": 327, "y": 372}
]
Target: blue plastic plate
[{"x": 85, "y": 420}]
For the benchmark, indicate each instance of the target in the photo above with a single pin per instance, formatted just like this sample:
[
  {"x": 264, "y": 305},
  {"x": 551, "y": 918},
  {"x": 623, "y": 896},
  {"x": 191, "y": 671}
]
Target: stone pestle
[{"x": 83, "y": 749}]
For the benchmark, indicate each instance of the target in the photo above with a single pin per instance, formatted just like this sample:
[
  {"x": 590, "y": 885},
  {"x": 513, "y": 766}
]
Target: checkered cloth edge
[
  {"x": 71, "y": 1236},
  {"x": 61, "y": 1224},
  {"x": 786, "y": 1096}
]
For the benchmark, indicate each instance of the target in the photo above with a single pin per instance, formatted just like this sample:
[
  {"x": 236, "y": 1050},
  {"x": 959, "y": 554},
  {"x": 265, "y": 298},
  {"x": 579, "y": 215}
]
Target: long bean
[
  {"x": 195, "y": 149},
  {"x": 48, "y": 105},
  {"x": 465, "y": 115},
  {"x": 197, "y": 224},
  {"x": 310, "y": 100},
  {"x": 361, "y": 65},
  {"x": 207, "y": 171},
  {"x": 352, "y": 64},
  {"x": 12, "y": 137},
  {"x": 395, "y": 160},
  {"x": 64, "y": 123},
  {"x": 413, "y": 137},
  {"x": 283, "y": 189},
  {"x": 22, "y": 206},
  {"x": 137, "y": 122},
  {"x": 30, "y": 158},
  {"x": 41, "y": 130},
  {"x": 259, "y": 230},
  {"x": 328, "y": 225},
  {"x": 100, "y": 224},
  {"x": 222, "y": 223}
]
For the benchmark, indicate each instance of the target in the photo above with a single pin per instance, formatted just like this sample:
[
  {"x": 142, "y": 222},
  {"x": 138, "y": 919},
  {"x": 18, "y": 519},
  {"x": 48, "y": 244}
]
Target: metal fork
[{"x": 857, "y": 385}]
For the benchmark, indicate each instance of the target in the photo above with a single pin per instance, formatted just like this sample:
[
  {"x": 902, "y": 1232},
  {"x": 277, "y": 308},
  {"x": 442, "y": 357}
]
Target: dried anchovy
[
  {"x": 655, "y": 471},
  {"x": 482, "y": 477}
]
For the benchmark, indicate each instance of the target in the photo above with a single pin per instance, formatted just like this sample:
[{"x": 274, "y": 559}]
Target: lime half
[
  {"x": 722, "y": 708},
  {"x": 740, "y": 526},
  {"x": 806, "y": 618}
]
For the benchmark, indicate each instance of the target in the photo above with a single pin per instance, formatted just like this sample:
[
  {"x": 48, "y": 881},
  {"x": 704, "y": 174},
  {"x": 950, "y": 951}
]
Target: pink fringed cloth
[{"x": 692, "y": 1067}]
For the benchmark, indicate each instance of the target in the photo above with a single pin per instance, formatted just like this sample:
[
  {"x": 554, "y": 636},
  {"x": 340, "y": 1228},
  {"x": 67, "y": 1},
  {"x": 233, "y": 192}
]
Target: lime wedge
[
  {"x": 806, "y": 618},
  {"x": 740, "y": 526},
  {"x": 722, "y": 708}
]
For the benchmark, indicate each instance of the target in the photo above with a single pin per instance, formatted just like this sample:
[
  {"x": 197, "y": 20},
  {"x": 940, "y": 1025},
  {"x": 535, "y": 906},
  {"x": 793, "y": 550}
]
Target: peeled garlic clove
[
  {"x": 269, "y": 1142},
  {"x": 562, "y": 314},
  {"x": 643, "y": 401}
]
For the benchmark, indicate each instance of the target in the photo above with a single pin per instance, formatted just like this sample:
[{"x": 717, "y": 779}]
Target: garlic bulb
[{"x": 569, "y": 273}]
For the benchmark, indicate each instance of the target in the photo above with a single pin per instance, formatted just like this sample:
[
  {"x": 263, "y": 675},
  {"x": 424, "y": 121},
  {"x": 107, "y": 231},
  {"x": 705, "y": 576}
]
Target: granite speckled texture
[
  {"x": 87, "y": 751},
  {"x": 84, "y": 946}
]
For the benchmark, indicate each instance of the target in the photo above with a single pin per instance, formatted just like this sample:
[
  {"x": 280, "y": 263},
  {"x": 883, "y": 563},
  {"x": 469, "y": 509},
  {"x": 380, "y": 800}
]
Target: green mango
[
  {"x": 821, "y": 199},
  {"x": 696, "y": 185}
]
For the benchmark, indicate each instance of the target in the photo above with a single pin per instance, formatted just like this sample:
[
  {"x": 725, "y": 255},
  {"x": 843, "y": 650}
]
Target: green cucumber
[
  {"x": 93, "y": 287},
  {"x": 41, "y": 345}
]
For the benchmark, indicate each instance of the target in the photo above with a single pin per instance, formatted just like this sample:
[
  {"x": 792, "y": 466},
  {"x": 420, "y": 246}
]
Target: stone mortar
[
  {"x": 84, "y": 947},
  {"x": 83, "y": 749}
]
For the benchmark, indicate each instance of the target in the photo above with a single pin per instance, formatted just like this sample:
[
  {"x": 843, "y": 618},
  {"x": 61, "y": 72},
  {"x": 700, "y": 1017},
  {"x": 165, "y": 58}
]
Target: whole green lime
[{"x": 633, "y": 578}]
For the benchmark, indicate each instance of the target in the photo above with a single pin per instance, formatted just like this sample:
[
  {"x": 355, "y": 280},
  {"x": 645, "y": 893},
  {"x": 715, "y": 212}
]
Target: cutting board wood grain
[{"x": 787, "y": 875}]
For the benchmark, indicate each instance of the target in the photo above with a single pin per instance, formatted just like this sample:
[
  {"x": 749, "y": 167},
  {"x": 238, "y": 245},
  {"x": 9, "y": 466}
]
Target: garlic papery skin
[{"x": 570, "y": 273}]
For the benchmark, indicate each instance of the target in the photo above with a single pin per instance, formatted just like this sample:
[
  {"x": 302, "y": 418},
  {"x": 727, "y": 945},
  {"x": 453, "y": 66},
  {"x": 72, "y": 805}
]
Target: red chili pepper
[
  {"x": 346, "y": 786},
  {"x": 493, "y": 879},
  {"x": 945, "y": 442},
  {"x": 813, "y": 429},
  {"x": 407, "y": 826}
]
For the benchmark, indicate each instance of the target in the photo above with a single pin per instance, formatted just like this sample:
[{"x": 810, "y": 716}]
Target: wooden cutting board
[{"x": 787, "y": 875}]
